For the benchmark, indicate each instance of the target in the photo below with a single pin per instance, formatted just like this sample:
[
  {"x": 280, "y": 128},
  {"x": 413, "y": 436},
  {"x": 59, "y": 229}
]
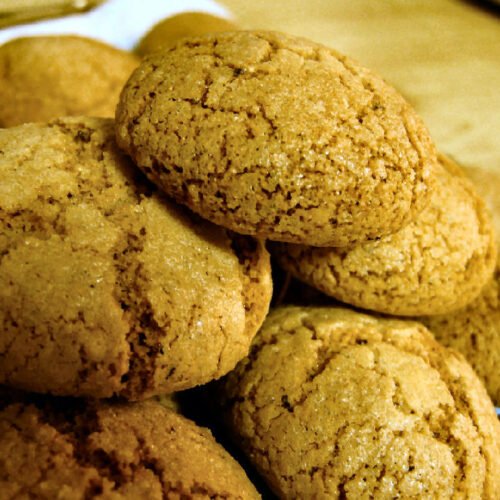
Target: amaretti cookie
[
  {"x": 45, "y": 77},
  {"x": 72, "y": 449},
  {"x": 186, "y": 24},
  {"x": 487, "y": 184},
  {"x": 107, "y": 287},
  {"x": 475, "y": 332},
  {"x": 332, "y": 403},
  {"x": 434, "y": 265},
  {"x": 277, "y": 137},
  {"x": 475, "y": 329}
]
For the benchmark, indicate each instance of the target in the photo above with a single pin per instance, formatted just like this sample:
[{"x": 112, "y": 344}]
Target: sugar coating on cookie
[
  {"x": 71, "y": 449},
  {"x": 168, "y": 31},
  {"x": 45, "y": 77},
  {"x": 475, "y": 332},
  {"x": 434, "y": 265},
  {"x": 332, "y": 403},
  {"x": 278, "y": 137},
  {"x": 107, "y": 287}
]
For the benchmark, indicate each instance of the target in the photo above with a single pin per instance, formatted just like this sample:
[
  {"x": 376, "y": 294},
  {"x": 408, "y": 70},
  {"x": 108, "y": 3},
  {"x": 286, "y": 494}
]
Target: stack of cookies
[{"x": 134, "y": 264}]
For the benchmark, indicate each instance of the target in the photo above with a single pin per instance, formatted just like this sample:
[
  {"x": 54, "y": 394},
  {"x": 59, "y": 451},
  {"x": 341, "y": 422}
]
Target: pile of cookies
[{"x": 135, "y": 263}]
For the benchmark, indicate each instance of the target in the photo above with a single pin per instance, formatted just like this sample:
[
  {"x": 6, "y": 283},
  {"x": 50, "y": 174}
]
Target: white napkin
[{"x": 118, "y": 22}]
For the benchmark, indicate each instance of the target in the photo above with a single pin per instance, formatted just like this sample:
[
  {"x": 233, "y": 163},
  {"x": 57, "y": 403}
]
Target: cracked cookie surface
[
  {"x": 277, "y": 137},
  {"x": 475, "y": 332},
  {"x": 434, "y": 265},
  {"x": 475, "y": 329},
  {"x": 45, "y": 77},
  {"x": 68, "y": 449},
  {"x": 332, "y": 403},
  {"x": 107, "y": 287}
]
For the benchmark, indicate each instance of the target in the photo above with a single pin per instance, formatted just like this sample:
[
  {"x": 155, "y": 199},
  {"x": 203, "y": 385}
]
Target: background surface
[{"x": 443, "y": 55}]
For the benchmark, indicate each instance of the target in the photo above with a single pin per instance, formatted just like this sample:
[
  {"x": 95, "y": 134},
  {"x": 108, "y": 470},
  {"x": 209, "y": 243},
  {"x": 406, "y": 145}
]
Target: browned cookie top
[
  {"x": 277, "y": 136},
  {"x": 75, "y": 450},
  {"x": 107, "y": 287},
  {"x": 331, "y": 403},
  {"x": 45, "y": 77},
  {"x": 436, "y": 264}
]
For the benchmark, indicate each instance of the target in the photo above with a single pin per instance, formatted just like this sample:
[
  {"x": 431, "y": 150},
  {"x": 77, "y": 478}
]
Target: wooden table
[{"x": 443, "y": 55}]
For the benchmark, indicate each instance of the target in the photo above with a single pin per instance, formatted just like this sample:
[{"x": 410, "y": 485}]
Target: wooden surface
[{"x": 443, "y": 55}]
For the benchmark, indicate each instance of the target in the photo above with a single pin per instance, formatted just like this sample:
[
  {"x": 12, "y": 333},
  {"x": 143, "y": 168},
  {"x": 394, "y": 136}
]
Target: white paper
[{"x": 118, "y": 22}]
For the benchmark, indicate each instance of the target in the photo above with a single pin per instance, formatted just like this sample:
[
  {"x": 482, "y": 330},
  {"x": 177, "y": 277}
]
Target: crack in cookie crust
[
  {"x": 109, "y": 287},
  {"x": 85, "y": 450},
  {"x": 436, "y": 264},
  {"x": 277, "y": 137},
  {"x": 332, "y": 402}
]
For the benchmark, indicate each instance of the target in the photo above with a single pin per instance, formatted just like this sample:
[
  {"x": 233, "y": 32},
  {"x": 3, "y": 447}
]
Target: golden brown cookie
[
  {"x": 475, "y": 332},
  {"x": 277, "y": 137},
  {"x": 487, "y": 184},
  {"x": 69, "y": 449},
  {"x": 186, "y": 24},
  {"x": 46, "y": 77},
  {"x": 436, "y": 264},
  {"x": 475, "y": 329},
  {"x": 331, "y": 403},
  {"x": 107, "y": 287}
]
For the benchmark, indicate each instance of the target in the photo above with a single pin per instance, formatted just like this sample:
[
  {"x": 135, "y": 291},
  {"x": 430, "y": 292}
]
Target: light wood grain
[{"x": 443, "y": 55}]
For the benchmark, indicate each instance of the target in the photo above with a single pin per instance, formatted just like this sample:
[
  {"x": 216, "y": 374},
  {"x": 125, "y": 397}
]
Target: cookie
[
  {"x": 72, "y": 449},
  {"x": 475, "y": 332},
  {"x": 186, "y": 24},
  {"x": 487, "y": 184},
  {"x": 45, "y": 77},
  {"x": 475, "y": 329},
  {"x": 107, "y": 287},
  {"x": 332, "y": 403},
  {"x": 277, "y": 137},
  {"x": 434, "y": 265}
]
